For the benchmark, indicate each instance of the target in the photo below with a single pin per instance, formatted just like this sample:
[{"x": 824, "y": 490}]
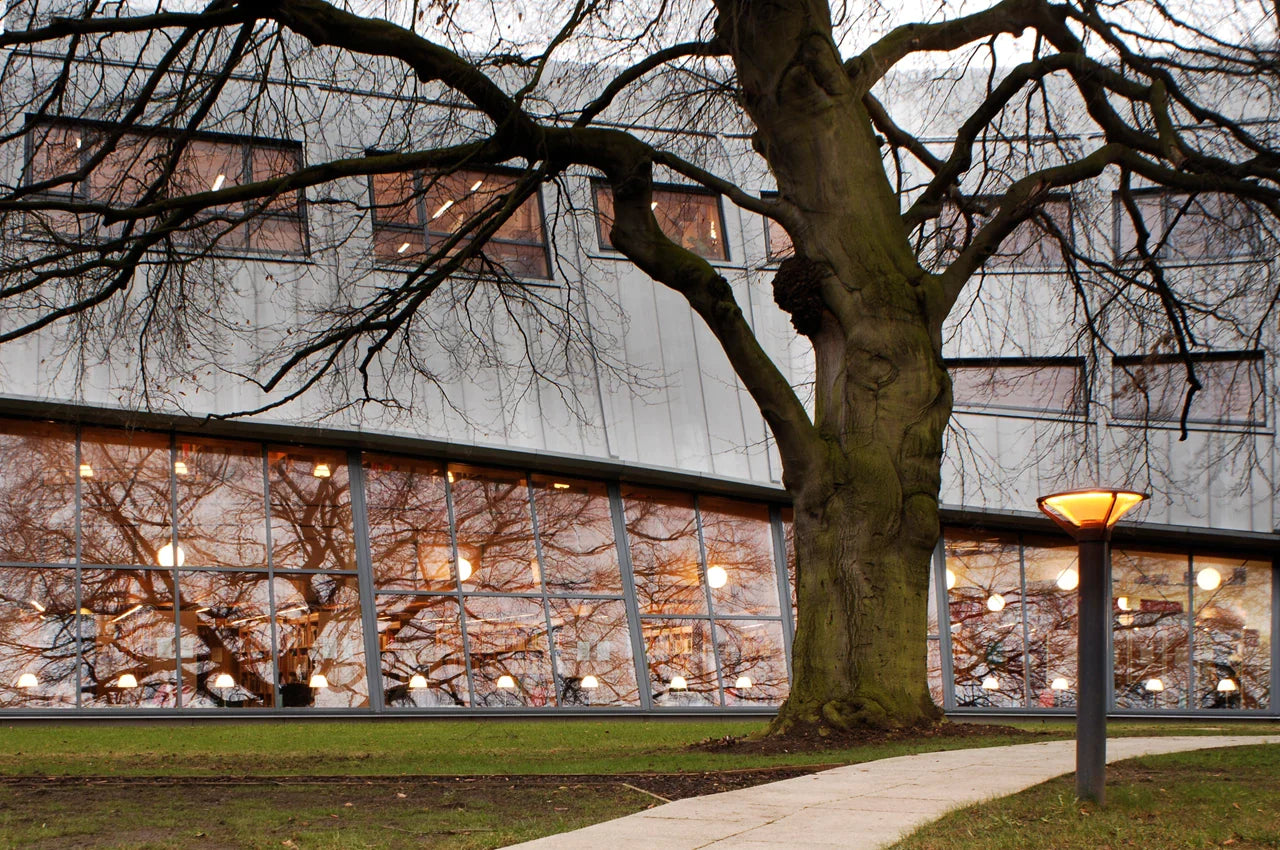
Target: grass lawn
[{"x": 1207, "y": 798}]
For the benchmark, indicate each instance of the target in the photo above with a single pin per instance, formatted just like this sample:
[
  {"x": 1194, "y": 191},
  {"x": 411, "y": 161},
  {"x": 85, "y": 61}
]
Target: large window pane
[
  {"x": 1155, "y": 388},
  {"x": 510, "y": 662},
  {"x": 688, "y": 217},
  {"x": 753, "y": 661},
  {"x": 1052, "y": 385},
  {"x": 420, "y": 639},
  {"x": 575, "y": 527},
  {"x": 125, "y": 497},
  {"x": 37, "y": 492},
  {"x": 321, "y": 642},
  {"x": 310, "y": 511},
  {"x": 1051, "y": 609},
  {"x": 37, "y": 638},
  {"x": 1149, "y": 606},
  {"x": 221, "y": 505},
  {"x": 741, "y": 569},
  {"x": 663, "y": 534},
  {"x": 128, "y": 656},
  {"x": 226, "y": 640},
  {"x": 986, "y": 619},
  {"x": 682, "y": 664},
  {"x": 495, "y": 531},
  {"x": 594, "y": 664},
  {"x": 408, "y": 524},
  {"x": 1233, "y": 632}
]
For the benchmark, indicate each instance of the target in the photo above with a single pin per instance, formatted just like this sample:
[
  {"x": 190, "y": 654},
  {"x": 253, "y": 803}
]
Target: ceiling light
[
  {"x": 1060, "y": 684},
  {"x": 164, "y": 556},
  {"x": 28, "y": 680},
  {"x": 86, "y": 471},
  {"x": 1209, "y": 579},
  {"x": 743, "y": 683},
  {"x": 995, "y": 602},
  {"x": 1122, "y": 602},
  {"x": 417, "y": 682},
  {"x": 717, "y": 576},
  {"x": 321, "y": 470},
  {"x": 135, "y": 609},
  {"x": 217, "y": 182},
  {"x": 403, "y": 247},
  {"x": 127, "y": 681},
  {"x": 179, "y": 467},
  {"x": 443, "y": 209},
  {"x": 590, "y": 682},
  {"x": 464, "y": 569},
  {"x": 36, "y": 605},
  {"x": 506, "y": 682},
  {"x": 476, "y": 185},
  {"x": 559, "y": 485},
  {"x": 1069, "y": 580},
  {"x": 1226, "y": 686},
  {"x": 79, "y": 142},
  {"x": 318, "y": 681},
  {"x": 991, "y": 683},
  {"x": 224, "y": 681},
  {"x": 653, "y": 206},
  {"x": 1155, "y": 686},
  {"x": 951, "y": 579},
  {"x": 679, "y": 684}
]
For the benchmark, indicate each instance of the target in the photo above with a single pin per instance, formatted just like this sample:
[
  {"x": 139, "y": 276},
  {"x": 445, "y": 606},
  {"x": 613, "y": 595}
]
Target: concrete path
[{"x": 860, "y": 806}]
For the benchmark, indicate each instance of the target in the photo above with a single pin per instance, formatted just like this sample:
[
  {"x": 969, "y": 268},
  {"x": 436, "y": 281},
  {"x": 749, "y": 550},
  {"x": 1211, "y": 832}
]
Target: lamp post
[{"x": 1088, "y": 515}]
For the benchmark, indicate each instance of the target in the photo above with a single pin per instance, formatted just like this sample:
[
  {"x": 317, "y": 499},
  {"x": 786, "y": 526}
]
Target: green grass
[{"x": 1207, "y": 798}]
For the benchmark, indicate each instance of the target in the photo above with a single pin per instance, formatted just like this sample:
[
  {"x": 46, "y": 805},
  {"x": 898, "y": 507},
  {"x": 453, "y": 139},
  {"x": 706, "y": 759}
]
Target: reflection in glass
[
  {"x": 739, "y": 542},
  {"x": 495, "y": 531},
  {"x": 321, "y": 641},
  {"x": 125, "y": 496},
  {"x": 221, "y": 514},
  {"x": 37, "y": 492},
  {"x": 127, "y": 629},
  {"x": 310, "y": 511},
  {"x": 753, "y": 661},
  {"x": 1052, "y": 598},
  {"x": 663, "y": 534},
  {"x": 682, "y": 665},
  {"x": 594, "y": 664},
  {"x": 789, "y": 550},
  {"x": 408, "y": 524},
  {"x": 575, "y": 526},
  {"x": 1233, "y": 632},
  {"x": 37, "y": 638},
  {"x": 225, "y": 639},
  {"x": 986, "y": 619},
  {"x": 934, "y": 664},
  {"x": 510, "y": 662},
  {"x": 1149, "y": 629},
  {"x": 420, "y": 640}
]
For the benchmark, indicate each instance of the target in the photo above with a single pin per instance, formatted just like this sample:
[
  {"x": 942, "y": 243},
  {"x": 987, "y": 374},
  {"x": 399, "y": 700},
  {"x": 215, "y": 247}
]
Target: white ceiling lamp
[
  {"x": 506, "y": 682},
  {"x": 165, "y": 555},
  {"x": 404, "y": 246},
  {"x": 1069, "y": 580},
  {"x": 951, "y": 578},
  {"x": 464, "y": 569},
  {"x": 224, "y": 681},
  {"x": 1208, "y": 579},
  {"x": 1226, "y": 686},
  {"x": 127, "y": 614},
  {"x": 1122, "y": 602},
  {"x": 1155, "y": 686},
  {"x": 417, "y": 682},
  {"x": 180, "y": 467},
  {"x": 717, "y": 577},
  {"x": 590, "y": 682},
  {"x": 743, "y": 683},
  {"x": 560, "y": 485},
  {"x": 1060, "y": 684},
  {"x": 991, "y": 683},
  {"x": 321, "y": 470},
  {"x": 28, "y": 680},
  {"x": 679, "y": 684},
  {"x": 86, "y": 470},
  {"x": 36, "y": 605},
  {"x": 444, "y": 208},
  {"x": 318, "y": 681},
  {"x": 476, "y": 185},
  {"x": 128, "y": 680},
  {"x": 218, "y": 182},
  {"x": 995, "y": 603}
]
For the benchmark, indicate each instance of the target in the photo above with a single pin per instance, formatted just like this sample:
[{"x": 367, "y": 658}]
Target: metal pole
[{"x": 1091, "y": 692}]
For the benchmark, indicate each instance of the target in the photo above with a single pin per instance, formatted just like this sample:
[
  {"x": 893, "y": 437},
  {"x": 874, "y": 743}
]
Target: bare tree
[{"x": 891, "y": 228}]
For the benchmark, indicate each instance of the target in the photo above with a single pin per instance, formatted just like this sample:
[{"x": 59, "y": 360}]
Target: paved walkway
[{"x": 860, "y": 806}]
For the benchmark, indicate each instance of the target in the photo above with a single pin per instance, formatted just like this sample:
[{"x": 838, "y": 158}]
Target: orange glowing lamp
[{"x": 1091, "y": 511}]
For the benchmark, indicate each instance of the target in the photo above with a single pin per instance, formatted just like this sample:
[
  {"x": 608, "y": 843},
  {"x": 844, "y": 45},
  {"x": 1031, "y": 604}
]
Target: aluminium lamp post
[{"x": 1088, "y": 515}]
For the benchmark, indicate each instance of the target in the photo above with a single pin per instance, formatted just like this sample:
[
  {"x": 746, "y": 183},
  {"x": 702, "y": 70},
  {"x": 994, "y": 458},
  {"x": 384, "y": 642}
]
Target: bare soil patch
[{"x": 804, "y": 741}]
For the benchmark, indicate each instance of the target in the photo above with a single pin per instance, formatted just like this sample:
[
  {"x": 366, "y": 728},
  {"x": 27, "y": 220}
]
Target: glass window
[
  {"x": 37, "y": 492},
  {"x": 408, "y": 524},
  {"x": 125, "y": 498},
  {"x": 789, "y": 547},
  {"x": 496, "y": 552},
  {"x": 1031, "y": 245},
  {"x": 663, "y": 534},
  {"x": 1187, "y": 228},
  {"x": 37, "y": 638},
  {"x": 510, "y": 662},
  {"x": 933, "y": 661},
  {"x": 741, "y": 570},
  {"x": 310, "y": 511},
  {"x": 777, "y": 242},
  {"x": 58, "y": 148},
  {"x": 1232, "y": 598},
  {"x": 594, "y": 664},
  {"x": 225, "y": 640},
  {"x": 986, "y": 619},
  {"x": 682, "y": 664},
  {"x": 127, "y": 629},
  {"x": 420, "y": 640},
  {"x": 1049, "y": 385},
  {"x": 1051, "y": 607},
  {"x": 575, "y": 528},
  {"x": 1149, "y": 597},
  {"x": 753, "y": 661},
  {"x": 321, "y": 641},
  {"x": 689, "y": 217},
  {"x": 414, "y": 213},
  {"x": 1155, "y": 388},
  {"x": 221, "y": 505}
]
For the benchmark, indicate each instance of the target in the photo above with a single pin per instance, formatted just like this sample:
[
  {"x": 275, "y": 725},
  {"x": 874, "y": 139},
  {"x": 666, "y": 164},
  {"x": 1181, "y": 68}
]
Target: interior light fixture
[
  {"x": 128, "y": 680},
  {"x": 318, "y": 681},
  {"x": 403, "y": 247},
  {"x": 991, "y": 683},
  {"x": 321, "y": 470},
  {"x": 224, "y": 681},
  {"x": 1060, "y": 684},
  {"x": 951, "y": 579},
  {"x": 476, "y": 185},
  {"x": 179, "y": 467},
  {"x": 717, "y": 576},
  {"x": 506, "y": 682},
  {"x": 443, "y": 209},
  {"x": 1226, "y": 686},
  {"x": 743, "y": 683},
  {"x": 1122, "y": 602},
  {"x": 590, "y": 683},
  {"x": 679, "y": 684},
  {"x": 995, "y": 603},
  {"x": 560, "y": 485},
  {"x": 653, "y": 206},
  {"x": 464, "y": 569},
  {"x": 1208, "y": 579},
  {"x": 217, "y": 182},
  {"x": 86, "y": 470},
  {"x": 1069, "y": 580},
  {"x": 417, "y": 682},
  {"x": 165, "y": 555},
  {"x": 79, "y": 142},
  {"x": 449, "y": 475},
  {"x": 36, "y": 605},
  {"x": 135, "y": 609},
  {"x": 1155, "y": 686},
  {"x": 28, "y": 680}
]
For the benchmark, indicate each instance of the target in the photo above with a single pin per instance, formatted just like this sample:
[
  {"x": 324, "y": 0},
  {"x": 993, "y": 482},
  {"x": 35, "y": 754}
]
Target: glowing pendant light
[
  {"x": 995, "y": 603},
  {"x": 318, "y": 681},
  {"x": 743, "y": 683},
  {"x": 28, "y": 680},
  {"x": 1155, "y": 686},
  {"x": 1060, "y": 684},
  {"x": 1226, "y": 686},
  {"x": 679, "y": 684},
  {"x": 164, "y": 555},
  {"x": 991, "y": 683},
  {"x": 224, "y": 681},
  {"x": 506, "y": 682},
  {"x": 1069, "y": 580},
  {"x": 127, "y": 681},
  {"x": 717, "y": 577},
  {"x": 417, "y": 682},
  {"x": 590, "y": 683},
  {"x": 1209, "y": 579}
]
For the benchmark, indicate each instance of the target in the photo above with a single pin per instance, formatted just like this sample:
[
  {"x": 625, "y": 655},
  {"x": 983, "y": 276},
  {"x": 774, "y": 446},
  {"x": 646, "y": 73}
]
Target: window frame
[
  {"x": 1244, "y": 357},
  {"x": 246, "y": 145},
  {"x": 772, "y": 258},
  {"x": 1009, "y": 264},
  {"x": 1082, "y": 384},
  {"x": 1165, "y": 197},
  {"x": 598, "y": 183}
]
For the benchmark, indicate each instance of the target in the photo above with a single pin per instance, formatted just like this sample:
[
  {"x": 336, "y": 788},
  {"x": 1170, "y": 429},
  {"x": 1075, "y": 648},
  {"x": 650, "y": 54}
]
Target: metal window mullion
[
  {"x": 942, "y": 595},
  {"x": 271, "y": 580},
  {"x": 1191, "y": 633},
  {"x": 173, "y": 542},
  {"x": 783, "y": 582},
  {"x": 1274, "y": 704},
  {"x": 1026, "y": 634},
  {"x": 640, "y": 658},
  {"x": 542, "y": 582},
  {"x": 79, "y": 567},
  {"x": 364, "y": 581},
  {"x": 1111, "y": 630},
  {"x": 457, "y": 594},
  {"x": 706, "y": 589}
]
